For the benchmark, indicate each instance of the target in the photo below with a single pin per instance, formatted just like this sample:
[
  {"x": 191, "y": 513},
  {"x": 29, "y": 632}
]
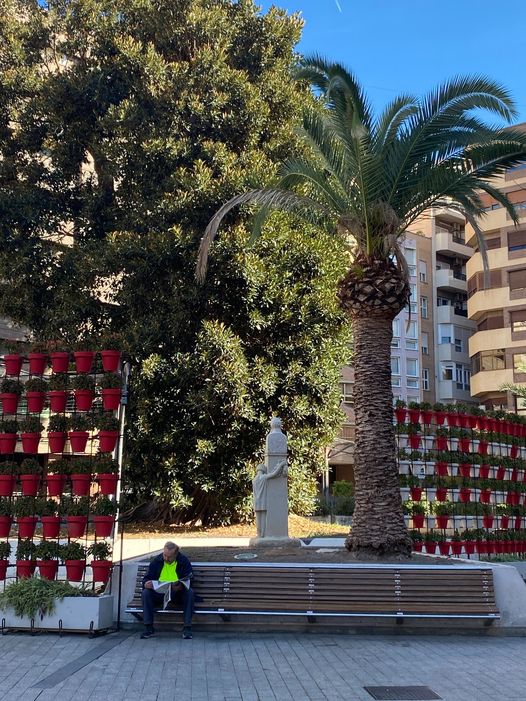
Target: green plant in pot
[
  {"x": 47, "y": 550},
  {"x": 37, "y": 596},
  {"x": 72, "y": 551},
  {"x": 84, "y": 382},
  {"x": 106, "y": 421},
  {"x": 101, "y": 550},
  {"x": 8, "y": 467},
  {"x": 59, "y": 382},
  {"x": 24, "y": 507},
  {"x": 81, "y": 466},
  {"x": 57, "y": 424},
  {"x": 8, "y": 426},
  {"x": 30, "y": 466},
  {"x": 103, "y": 464},
  {"x": 6, "y": 507},
  {"x": 110, "y": 380},
  {"x": 5, "y": 550},
  {"x": 36, "y": 384},
  {"x": 80, "y": 422},
  {"x": 31, "y": 424},
  {"x": 75, "y": 507},
  {"x": 103, "y": 506},
  {"x": 9, "y": 386},
  {"x": 46, "y": 507},
  {"x": 25, "y": 550},
  {"x": 59, "y": 467}
]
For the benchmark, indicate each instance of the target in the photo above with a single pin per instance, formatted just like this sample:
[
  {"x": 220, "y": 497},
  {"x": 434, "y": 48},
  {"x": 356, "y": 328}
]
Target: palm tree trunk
[{"x": 378, "y": 524}]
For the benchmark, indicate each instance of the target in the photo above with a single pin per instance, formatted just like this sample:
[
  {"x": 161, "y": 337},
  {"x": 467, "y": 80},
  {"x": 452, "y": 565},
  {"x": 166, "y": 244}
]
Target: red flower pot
[
  {"x": 9, "y": 402},
  {"x": 76, "y": 526},
  {"x": 111, "y": 399},
  {"x": 416, "y": 493},
  {"x": 414, "y": 441},
  {"x": 30, "y": 442},
  {"x": 7, "y": 443},
  {"x": 483, "y": 472},
  {"x": 30, "y": 484},
  {"x": 441, "y": 493},
  {"x": 518, "y": 522},
  {"x": 441, "y": 442},
  {"x": 103, "y": 526},
  {"x": 482, "y": 547},
  {"x": 48, "y": 568},
  {"x": 512, "y": 498},
  {"x": 400, "y": 415},
  {"x": 501, "y": 471},
  {"x": 441, "y": 469},
  {"x": 59, "y": 361},
  {"x": 452, "y": 418},
  {"x": 500, "y": 547},
  {"x": 485, "y": 496},
  {"x": 75, "y": 570},
  {"x": 443, "y": 547},
  {"x": 514, "y": 451},
  {"x": 418, "y": 520},
  {"x": 487, "y": 521},
  {"x": 440, "y": 417},
  {"x": 78, "y": 440},
  {"x": 108, "y": 482},
  {"x": 107, "y": 441},
  {"x": 426, "y": 417},
  {"x": 465, "y": 469},
  {"x": 456, "y": 547},
  {"x": 25, "y": 568},
  {"x": 5, "y": 526},
  {"x": 463, "y": 444},
  {"x": 417, "y": 546},
  {"x": 430, "y": 546},
  {"x": 57, "y": 400},
  {"x": 50, "y": 526},
  {"x": 80, "y": 484},
  {"x": 37, "y": 363},
  {"x": 101, "y": 570},
  {"x": 55, "y": 485},
  {"x": 472, "y": 421},
  {"x": 483, "y": 448},
  {"x": 56, "y": 441},
  {"x": 469, "y": 547},
  {"x": 504, "y": 521},
  {"x": 464, "y": 494},
  {"x": 4, "y": 564},
  {"x": 13, "y": 364},
  {"x": 514, "y": 475},
  {"x": 441, "y": 521},
  {"x": 83, "y": 361},
  {"x": 482, "y": 423},
  {"x": 111, "y": 359},
  {"x": 414, "y": 415},
  {"x": 463, "y": 421},
  {"x": 26, "y": 526},
  {"x": 35, "y": 402},
  {"x": 84, "y": 399},
  {"x": 7, "y": 485}
]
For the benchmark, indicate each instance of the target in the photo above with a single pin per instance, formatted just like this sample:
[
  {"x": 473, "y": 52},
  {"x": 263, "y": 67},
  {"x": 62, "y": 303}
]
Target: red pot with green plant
[
  {"x": 79, "y": 427},
  {"x": 74, "y": 557},
  {"x": 456, "y": 547},
  {"x": 59, "y": 360},
  {"x": 8, "y": 436},
  {"x": 418, "y": 520},
  {"x": 13, "y": 364},
  {"x": 110, "y": 388},
  {"x": 426, "y": 414},
  {"x": 441, "y": 493},
  {"x": 413, "y": 412},
  {"x": 483, "y": 448},
  {"x": 5, "y": 552},
  {"x": 441, "y": 469},
  {"x": 430, "y": 546},
  {"x": 31, "y": 431},
  {"x": 25, "y": 559},
  {"x": 36, "y": 390},
  {"x": 10, "y": 393},
  {"x": 464, "y": 445},
  {"x": 111, "y": 355},
  {"x": 469, "y": 547},
  {"x": 107, "y": 474},
  {"x": 443, "y": 547},
  {"x": 83, "y": 360},
  {"x": 487, "y": 520},
  {"x": 57, "y": 433},
  {"x": 417, "y": 540},
  {"x": 47, "y": 510},
  {"x": 81, "y": 472},
  {"x": 6, "y": 517},
  {"x": 37, "y": 360},
  {"x": 441, "y": 521},
  {"x": 56, "y": 476},
  {"x": 30, "y": 473},
  {"x": 108, "y": 426},
  {"x": 416, "y": 493},
  {"x": 84, "y": 391},
  {"x": 47, "y": 554},
  {"x": 464, "y": 494},
  {"x": 400, "y": 411},
  {"x": 439, "y": 414},
  {"x": 76, "y": 515},
  {"x": 483, "y": 471},
  {"x": 104, "y": 510},
  {"x": 485, "y": 496},
  {"x": 58, "y": 392},
  {"x": 464, "y": 469},
  {"x": 26, "y": 526},
  {"x": 501, "y": 472},
  {"x": 504, "y": 521},
  {"x": 482, "y": 547}
]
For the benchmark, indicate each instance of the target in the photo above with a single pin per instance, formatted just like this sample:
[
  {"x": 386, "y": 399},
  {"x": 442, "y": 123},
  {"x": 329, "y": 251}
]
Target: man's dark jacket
[{"x": 184, "y": 568}]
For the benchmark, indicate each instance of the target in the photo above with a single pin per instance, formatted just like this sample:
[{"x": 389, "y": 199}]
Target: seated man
[{"x": 170, "y": 566}]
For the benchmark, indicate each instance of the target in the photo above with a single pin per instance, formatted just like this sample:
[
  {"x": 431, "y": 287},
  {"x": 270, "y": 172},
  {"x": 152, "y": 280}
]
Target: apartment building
[{"x": 497, "y": 300}]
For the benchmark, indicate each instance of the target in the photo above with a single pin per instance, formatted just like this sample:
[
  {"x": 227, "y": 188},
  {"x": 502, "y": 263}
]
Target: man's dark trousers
[{"x": 152, "y": 601}]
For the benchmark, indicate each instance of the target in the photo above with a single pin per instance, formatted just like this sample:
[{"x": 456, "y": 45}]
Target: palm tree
[{"x": 367, "y": 180}]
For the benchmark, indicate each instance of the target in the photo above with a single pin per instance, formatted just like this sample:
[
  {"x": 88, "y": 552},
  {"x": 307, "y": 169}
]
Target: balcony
[
  {"x": 448, "y": 391},
  {"x": 489, "y": 381},
  {"x": 449, "y": 244},
  {"x": 447, "y": 352},
  {"x": 449, "y": 315},
  {"x": 451, "y": 281}
]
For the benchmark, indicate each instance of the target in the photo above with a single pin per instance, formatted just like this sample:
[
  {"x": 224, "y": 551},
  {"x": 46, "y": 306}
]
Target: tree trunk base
[{"x": 389, "y": 550}]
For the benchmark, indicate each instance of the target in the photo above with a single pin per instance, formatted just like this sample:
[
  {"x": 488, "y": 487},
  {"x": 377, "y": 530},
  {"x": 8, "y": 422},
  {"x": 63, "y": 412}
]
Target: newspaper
[{"x": 166, "y": 588}]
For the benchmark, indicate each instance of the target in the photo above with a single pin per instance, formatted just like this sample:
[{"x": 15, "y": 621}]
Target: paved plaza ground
[{"x": 249, "y": 667}]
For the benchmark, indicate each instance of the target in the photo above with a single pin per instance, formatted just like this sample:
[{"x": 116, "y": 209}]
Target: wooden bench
[{"x": 322, "y": 590}]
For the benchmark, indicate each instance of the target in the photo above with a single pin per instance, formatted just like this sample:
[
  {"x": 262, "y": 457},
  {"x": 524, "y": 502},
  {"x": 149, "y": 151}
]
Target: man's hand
[
  {"x": 177, "y": 587},
  {"x": 148, "y": 584}
]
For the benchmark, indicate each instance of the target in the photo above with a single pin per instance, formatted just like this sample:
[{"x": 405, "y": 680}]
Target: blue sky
[{"x": 396, "y": 46}]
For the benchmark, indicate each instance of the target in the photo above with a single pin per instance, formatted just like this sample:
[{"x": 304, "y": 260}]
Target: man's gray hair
[{"x": 171, "y": 546}]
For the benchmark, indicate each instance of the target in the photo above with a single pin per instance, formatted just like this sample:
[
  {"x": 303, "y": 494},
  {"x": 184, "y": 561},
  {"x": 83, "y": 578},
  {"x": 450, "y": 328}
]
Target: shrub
[
  {"x": 81, "y": 466},
  {"x": 25, "y": 550},
  {"x": 342, "y": 488},
  {"x": 30, "y": 466},
  {"x": 31, "y": 424},
  {"x": 59, "y": 382},
  {"x": 72, "y": 551},
  {"x": 6, "y": 507},
  {"x": 59, "y": 467},
  {"x": 46, "y": 507},
  {"x": 24, "y": 506},
  {"x": 84, "y": 381},
  {"x": 5, "y": 550},
  {"x": 80, "y": 422},
  {"x": 105, "y": 465},
  {"x": 8, "y": 386},
  {"x": 8, "y": 467},
  {"x": 47, "y": 550},
  {"x": 106, "y": 422},
  {"x": 35, "y": 384},
  {"x": 8, "y": 426},
  {"x": 110, "y": 380},
  {"x": 104, "y": 506},
  {"x": 71, "y": 507},
  {"x": 100, "y": 550},
  {"x": 36, "y": 595},
  {"x": 57, "y": 423}
]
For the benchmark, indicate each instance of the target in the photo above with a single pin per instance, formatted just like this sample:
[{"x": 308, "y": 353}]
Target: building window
[
  {"x": 517, "y": 279},
  {"x": 346, "y": 390},
  {"x": 396, "y": 382},
  {"x": 425, "y": 379},
  {"x": 412, "y": 330},
  {"x": 519, "y": 362},
  {"x": 395, "y": 365},
  {"x": 412, "y": 367},
  {"x": 518, "y": 321},
  {"x": 489, "y": 360},
  {"x": 396, "y": 327},
  {"x": 443, "y": 302},
  {"x": 412, "y": 383},
  {"x": 410, "y": 256},
  {"x": 411, "y": 344},
  {"x": 459, "y": 345},
  {"x": 516, "y": 241},
  {"x": 425, "y": 343},
  {"x": 462, "y": 377},
  {"x": 395, "y": 343},
  {"x": 445, "y": 333},
  {"x": 447, "y": 372},
  {"x": 412, "y": 299},
  {"x": 412, "y": 270},
  {"x": 423, "y": 307}
]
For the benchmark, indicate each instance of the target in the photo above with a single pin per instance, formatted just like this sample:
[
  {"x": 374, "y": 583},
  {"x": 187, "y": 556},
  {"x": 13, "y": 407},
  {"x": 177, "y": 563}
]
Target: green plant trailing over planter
[
  {"x": 110, "y": 380},
  {"x": 9, "y": 426},
  {"x": 6, "y": 507},
  {"x": 5, "y": 550},
  {"x": 38, "y": 596},
  {"x": 57, "y": 423},
  {"x": 35, "y": 384},
  {"x": 30, "y": 466},
  {"x": 106, "y": 421},
  {"x": 81, "y": 466},
  {"x": 73, "y": 507},
  {"x": 8, "y": 386},
  {"x": 59, "y": 382},
  {"x": 46, "y": 507},
  {"x": 84, "y": 381},
  {"x": 47, "y": 550},
  {"x": 104, "y": 506},
  {"x": 24, "y": 506},
  {"x": 31, "y": 424},
  {"x": 80, "y": 422},
  {"x": 8, "y": 467},
  {"x": 72, "y": 551},
  {"x": 105, "y": 465},
  {"x": 100, "y": 550},
  {"x": 25, "y": 550}
]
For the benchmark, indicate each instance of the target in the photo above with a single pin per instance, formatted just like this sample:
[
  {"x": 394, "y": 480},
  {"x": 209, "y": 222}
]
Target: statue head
[{"x": 261, "y": 468}]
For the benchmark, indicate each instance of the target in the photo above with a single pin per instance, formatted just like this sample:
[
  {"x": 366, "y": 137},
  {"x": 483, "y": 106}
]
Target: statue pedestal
[{"x": 274, "y": 542}]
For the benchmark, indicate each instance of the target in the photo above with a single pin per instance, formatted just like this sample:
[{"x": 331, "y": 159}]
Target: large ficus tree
[
  {"x": 123, "y": 125},
  {"x": 366, "y": 179}
]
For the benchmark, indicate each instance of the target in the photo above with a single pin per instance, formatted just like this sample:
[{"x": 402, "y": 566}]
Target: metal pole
[{"x": 124, "y": 402}]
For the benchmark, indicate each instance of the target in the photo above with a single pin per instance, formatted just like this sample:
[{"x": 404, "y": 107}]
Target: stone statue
[{"x": 260, "y": 491}]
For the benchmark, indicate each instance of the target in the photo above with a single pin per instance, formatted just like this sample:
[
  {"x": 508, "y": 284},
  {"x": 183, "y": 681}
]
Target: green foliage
[
  {"x": 46, "y": 507},
  {"x": 80, "y": 422},
  {"x": 58, "y": 423},
  {"x": 59, "y": 382},
  {"x": 172, "y": 127},
  {"x": 104, "y": 506},
  {"x": 25, "y": 550},
  {"x": 36, "y": 384},
  {"x": 9, "y": 386},
  {"x": 35, "y": 595},
  {"x": 5, "y": 550},
  {"x": 83, "y": 381},
  {"x": 30, "y": 466},
  {"x": 59, "y": 467},
  {"x": 47, "y": 550},
  {"x": 72, "y": 551},
  {"x": 8, "y": 426},
  {"x": 8, "y": 467},
  {"x": 24, "y": 506},
  {"x": 106, "y": 421},
  {"x": 31, "y": 424},
  {"x": 110, "y": 380},
  {"x": 81, "y": 465},
  {"x": 100, "y": 550},
  {"x": 6, "y": 506},
  {"x": 75, "y": 507},
  {"x": 105, "y": 465}
]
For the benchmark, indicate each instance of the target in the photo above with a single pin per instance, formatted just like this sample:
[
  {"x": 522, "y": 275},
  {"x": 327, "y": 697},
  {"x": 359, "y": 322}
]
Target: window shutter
[
  {"x": 518, "y": 315},
  {"x": 516, "y": 239},
  {"x": 517, "y": 279}
]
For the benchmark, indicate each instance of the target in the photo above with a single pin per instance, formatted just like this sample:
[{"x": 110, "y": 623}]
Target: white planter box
[{"x": 82, "y": 613}]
